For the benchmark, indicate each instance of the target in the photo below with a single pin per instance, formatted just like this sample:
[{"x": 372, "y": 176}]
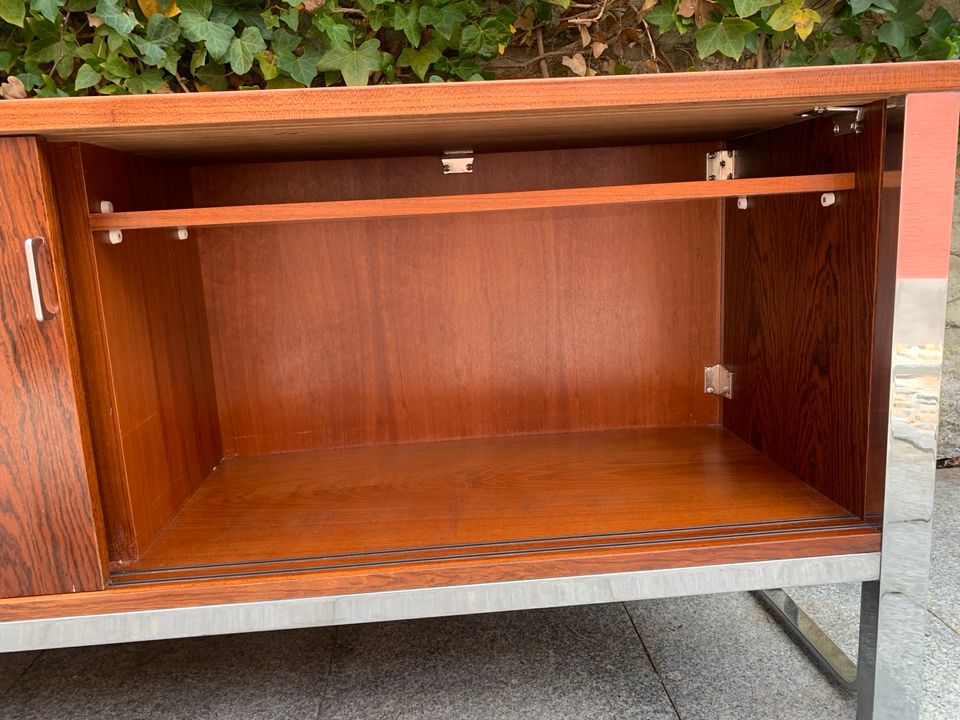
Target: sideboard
[{"x": 308, "y": 357}]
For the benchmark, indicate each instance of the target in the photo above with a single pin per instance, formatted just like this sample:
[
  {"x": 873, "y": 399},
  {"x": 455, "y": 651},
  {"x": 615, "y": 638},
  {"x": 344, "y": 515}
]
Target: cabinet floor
[{"x": 483, "y": 498}]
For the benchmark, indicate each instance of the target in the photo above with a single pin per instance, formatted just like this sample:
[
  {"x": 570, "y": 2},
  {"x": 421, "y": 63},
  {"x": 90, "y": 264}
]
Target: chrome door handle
[{"x": 40, "y": 311}]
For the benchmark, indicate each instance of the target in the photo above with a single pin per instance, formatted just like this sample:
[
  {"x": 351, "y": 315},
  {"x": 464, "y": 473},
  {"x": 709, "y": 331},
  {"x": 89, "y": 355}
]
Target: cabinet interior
[{"x": 439, "y": 381}]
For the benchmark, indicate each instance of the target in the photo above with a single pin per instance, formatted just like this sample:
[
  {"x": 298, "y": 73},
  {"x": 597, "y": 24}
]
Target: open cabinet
[{"x": 328, "y": 356}]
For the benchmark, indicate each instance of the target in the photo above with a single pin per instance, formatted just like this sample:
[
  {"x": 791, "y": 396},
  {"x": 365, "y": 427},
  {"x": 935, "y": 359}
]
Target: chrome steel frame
[
  {"x": 894, "y": 609},
  {"x": 433, "y": 602},
  {"x": 805, "y": 631}
]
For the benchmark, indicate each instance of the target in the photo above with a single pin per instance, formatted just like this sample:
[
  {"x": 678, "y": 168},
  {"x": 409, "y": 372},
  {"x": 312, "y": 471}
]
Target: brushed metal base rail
[
  {"x": 801, "y": 627},
  {"x": 433, "y": 602}
]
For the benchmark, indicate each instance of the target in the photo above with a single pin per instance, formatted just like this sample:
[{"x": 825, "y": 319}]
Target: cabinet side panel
[
  {"x": 799, "y": 306},
  {"x": 145, "y": 345},
  {"x": 48, "y": 520},
  {"x": 366, "y": 332}
]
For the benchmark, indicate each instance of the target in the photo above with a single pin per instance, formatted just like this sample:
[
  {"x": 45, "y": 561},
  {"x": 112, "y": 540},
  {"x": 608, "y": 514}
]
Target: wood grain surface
[
  {"x": 800, "y": 288},
  {"x": 480, "y": 116},
  {"x": 412, "y": 329},
  {"x": 144, "y": 342},
  {"x": 291, "y": 212},
  {"x": 490, "y": 496},
  {"x": 49, "y": 540}
]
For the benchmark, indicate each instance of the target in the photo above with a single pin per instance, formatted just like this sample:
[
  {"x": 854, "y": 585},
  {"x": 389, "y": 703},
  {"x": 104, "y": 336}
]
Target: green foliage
[
  {"x": 67, "y": 47},
  {"x": 820, "y": 32}
]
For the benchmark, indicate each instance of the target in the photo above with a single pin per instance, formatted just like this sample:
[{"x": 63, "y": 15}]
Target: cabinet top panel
[{"x": 478, "y": 116}]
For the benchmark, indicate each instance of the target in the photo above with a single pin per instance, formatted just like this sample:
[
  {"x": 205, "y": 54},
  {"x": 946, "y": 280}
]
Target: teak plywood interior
[
  {"x": 520, "y": 497},
  {"x": 306, "y": 351}
]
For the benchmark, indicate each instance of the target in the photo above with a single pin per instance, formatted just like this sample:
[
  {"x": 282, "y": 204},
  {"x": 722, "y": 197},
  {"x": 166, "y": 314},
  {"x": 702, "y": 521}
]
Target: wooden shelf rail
[{"x": 486, "y": 202}]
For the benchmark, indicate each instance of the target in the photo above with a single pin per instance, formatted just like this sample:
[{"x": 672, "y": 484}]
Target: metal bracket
[
  {"x": 718, "y": 380},
  {"x": 457, "y": 162},
  {"x": 111, "y": 237},
  {"x": 722, "y": 165},
  {"x": 847, "y": 120}
]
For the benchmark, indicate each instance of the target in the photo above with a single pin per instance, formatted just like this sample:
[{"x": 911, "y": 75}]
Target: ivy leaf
[
  {"x": 291, "y": 18},
  {"x": 86, "y": 77},
  {"x": 284, "y": 43},
  {"x": 13, "y": 11},
  {"x": 725, "y": 37},
  {"x": 844, "y": 56},
  {"x": 859, "y": 6},
  {"x": 484, "y": 39},
  {"x": 268, "y": 66},
  {"x": 444, "y": 20},
  {"x": 420, "y": 60},
  {"x": 792, "y": 14},
  {"x": 746, "y": 8},
  {"x": 407, "y": 21},
  {"x": 212, "y": 76},
  {"x": 50, "y": 9},
  {"x": 115, "y": 15},
  {"x": 117, "y": 67},
  {"x": 197, "y": 27},
  {"x": 45, "y": 43},
  {"x": 663, "y": 17},
  {"x": 232, "y": 13},
  {"x": 301, "y": 68},
  {"x": 162, "y": 30},
  {"x": 798, "y": 56},
  {"x": 939, "y": 49},
  {"x": 151, "y": 53},
  {"x": 940, "y": 24},
  {"x": 901, "y": 27},
  {"x": 355, "y": 64},
  {"x": 147, "y": 81},
  {"x": 243, "y": 49},
  {"x": 337, "y": 33}
]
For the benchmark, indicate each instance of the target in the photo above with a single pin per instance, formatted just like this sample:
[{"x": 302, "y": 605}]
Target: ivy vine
[{"x": 80, "y": 47}]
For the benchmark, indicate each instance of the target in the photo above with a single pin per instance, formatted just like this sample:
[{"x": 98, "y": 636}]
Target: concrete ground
[{"x": 712, "y": 657}]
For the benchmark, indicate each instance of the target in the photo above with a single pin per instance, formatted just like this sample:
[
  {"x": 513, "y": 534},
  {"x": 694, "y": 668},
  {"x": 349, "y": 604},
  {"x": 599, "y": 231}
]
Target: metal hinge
[
  {"x": 718, "y": 380},
  {"x": 722, "y": 165},
  {"x": 847, "y": 120},
  {"x": 457, "y": 162}
]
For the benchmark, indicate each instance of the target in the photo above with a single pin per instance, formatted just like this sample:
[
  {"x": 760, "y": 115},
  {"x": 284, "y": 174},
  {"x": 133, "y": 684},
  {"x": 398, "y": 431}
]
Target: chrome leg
[
  {"x": 894, "y": 612},
  {"x": 808, "y": 634},
  {"x": 867, "y": 654}
]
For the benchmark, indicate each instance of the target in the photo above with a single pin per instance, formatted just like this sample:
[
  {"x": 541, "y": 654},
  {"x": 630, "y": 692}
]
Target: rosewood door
[{"x": 48, "y": 519}]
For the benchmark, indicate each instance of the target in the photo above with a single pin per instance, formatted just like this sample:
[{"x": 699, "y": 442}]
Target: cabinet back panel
[
  {"x": 371, "y": 178},
  {"x": 365, "y": 332},
  {"x": 144, "y": 344},
  {"x": 800, "y": 291}
]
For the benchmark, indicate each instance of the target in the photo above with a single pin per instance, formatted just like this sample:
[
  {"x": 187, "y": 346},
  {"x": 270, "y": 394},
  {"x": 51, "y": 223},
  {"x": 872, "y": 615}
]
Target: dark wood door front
[{"x": 48, "y": 520}]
